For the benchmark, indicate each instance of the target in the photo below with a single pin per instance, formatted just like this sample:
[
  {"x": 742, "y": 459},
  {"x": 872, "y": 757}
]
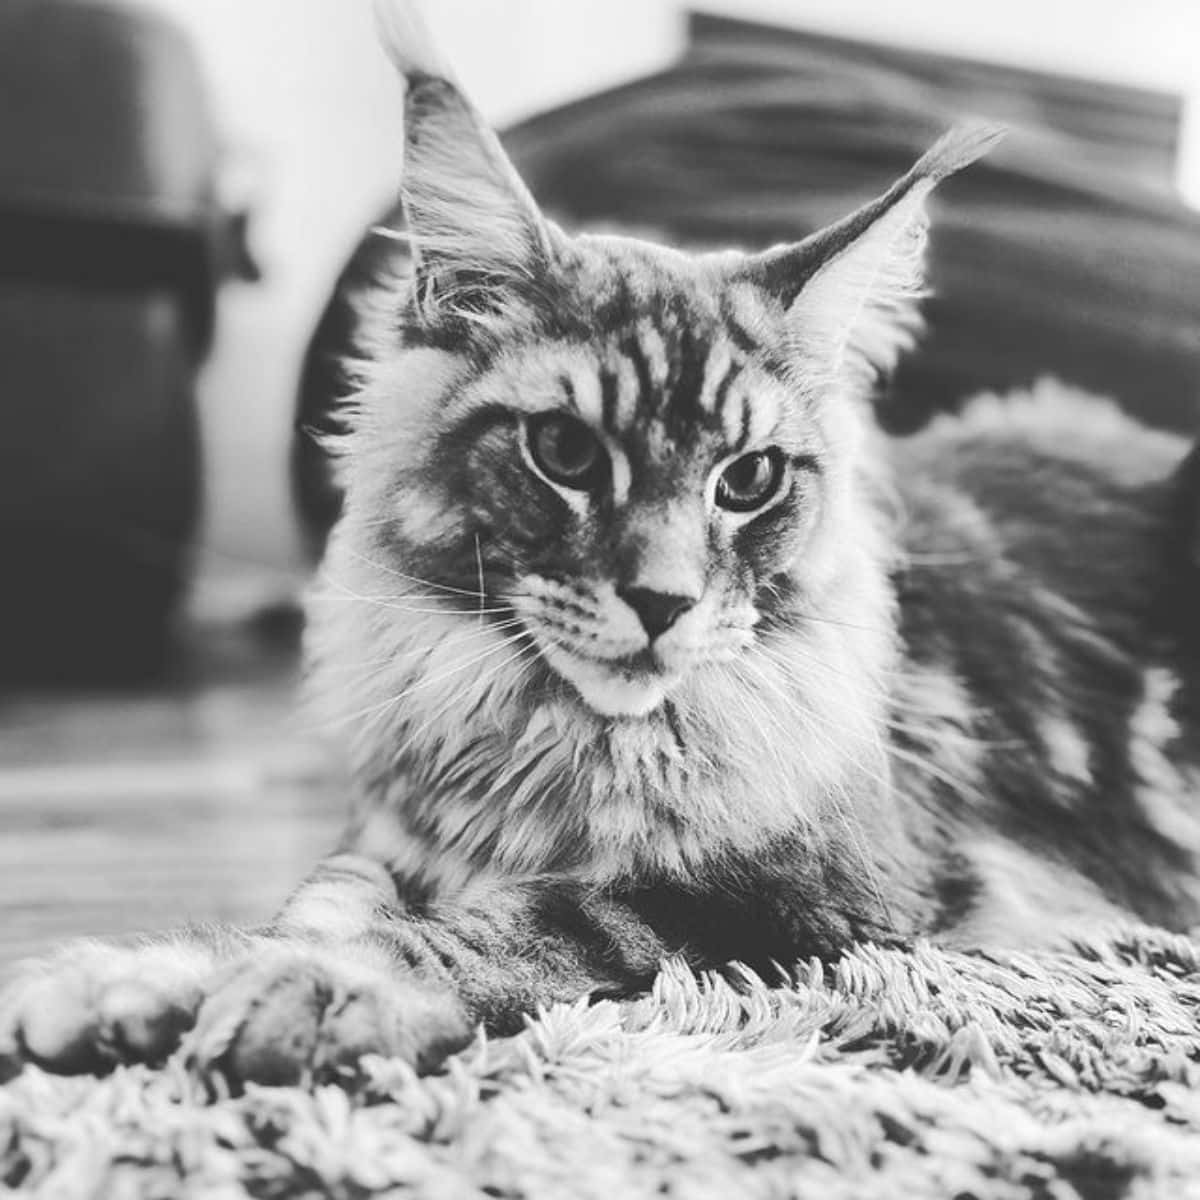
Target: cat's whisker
[
  {"x": 479, "y": 568},
  {"x": 387, "y": 521},
  {"x": 942, "y": 734},
  {"x": 397, "y": 573},
  {"x": 942, "y": 560},
  {"x": 940, "y": 714},
  {"x": 767, "y": 639},
  {"x": 952, "y": 736},
  {"x": 383, "y": 710},
  {"x": 415, "y": 735},
  {"x": 869, "y": 691},
  {"x": 396, "y": 602},
  {"x": 821, "y": 619},
  {"x": 946, "y": 730},
  {"x": 414, "y": 610},
  {"x": 742, "y": 697},
  {"x": 865, "y": 687},
  {"x": 766, "y": 716},
  {"x": 964, "y": 787},
  {"x": 798, "y": 706},
  {"x": 373, "y": 669},
  {"x": 531, "y": 661},
  {"x": 374, "y": 710}
]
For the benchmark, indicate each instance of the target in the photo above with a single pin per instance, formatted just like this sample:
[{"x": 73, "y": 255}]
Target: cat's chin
[{"x": 611, "y": 691}]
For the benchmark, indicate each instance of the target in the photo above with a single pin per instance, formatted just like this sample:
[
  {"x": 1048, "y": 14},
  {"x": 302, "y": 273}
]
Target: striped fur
[{"x": 947, "y": 686}]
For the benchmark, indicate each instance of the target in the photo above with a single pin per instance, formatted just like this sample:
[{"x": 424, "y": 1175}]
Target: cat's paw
[
  {"x": 300, "y": 1013},
  {"x": 250, "y": 1010},
  {"x": 91, "y": 1006}
]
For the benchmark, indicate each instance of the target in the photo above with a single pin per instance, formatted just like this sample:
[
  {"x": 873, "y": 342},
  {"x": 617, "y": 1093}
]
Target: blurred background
[
  {"x": 190, "y": 193},
  {"x": 310, "y": 118}
]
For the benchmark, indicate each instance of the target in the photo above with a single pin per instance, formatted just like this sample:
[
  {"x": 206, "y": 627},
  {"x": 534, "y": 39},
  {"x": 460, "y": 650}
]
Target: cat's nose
[{"x": 657, "y": 611}]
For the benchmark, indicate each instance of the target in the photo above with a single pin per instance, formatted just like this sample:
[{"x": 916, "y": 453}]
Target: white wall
[
  {"x": 313, "y": 115},
  {"x": 312, "y": 119}
]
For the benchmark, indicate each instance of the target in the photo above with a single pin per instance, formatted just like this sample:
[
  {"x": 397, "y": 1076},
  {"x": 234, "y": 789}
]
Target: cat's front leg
[
  {"x": 356, "y": 971},
  {"x": 303, "y": 1011},
  {"x": 93, "y": 1005},
  {"x": 345, "y": 970},
  {"x": 337, "y": 980}
]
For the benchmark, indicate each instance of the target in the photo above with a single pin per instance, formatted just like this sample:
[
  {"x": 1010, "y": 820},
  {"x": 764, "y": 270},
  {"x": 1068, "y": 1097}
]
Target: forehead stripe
[
  {"x": 634, "y": 352},
  {"x": 721, "y": 394},
  {"x": 689, "y": 370},
  {"x": 608, "y": 399},
  {"x": 741, "y": 337},
  {"x": 749, "y": 326}
]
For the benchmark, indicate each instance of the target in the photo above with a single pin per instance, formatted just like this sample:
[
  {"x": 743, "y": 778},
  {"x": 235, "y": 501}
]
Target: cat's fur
[{"x": 946, "y": 686}]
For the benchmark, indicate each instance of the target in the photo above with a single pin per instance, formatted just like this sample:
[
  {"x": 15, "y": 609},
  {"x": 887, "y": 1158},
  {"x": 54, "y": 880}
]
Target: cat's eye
[
  {"x": 750, "y": 481},
  {"x": 566, "y": 451}
]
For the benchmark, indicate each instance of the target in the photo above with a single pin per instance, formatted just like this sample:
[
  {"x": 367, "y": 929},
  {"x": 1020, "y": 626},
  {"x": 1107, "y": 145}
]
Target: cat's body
[
  {"x": 1047, "y": 599},
  {"x": 1031, "y": 766},
  {"x": 643, "y": 642}
]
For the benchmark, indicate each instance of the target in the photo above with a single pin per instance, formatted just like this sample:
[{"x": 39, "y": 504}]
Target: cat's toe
[
  {"x": 306, "y": 1015},
  {"x": 404, "y": 1019},
  {"x": 260, "y": 1021},
  {"x": 143, "y": 1023},
  {"x": 92, "y": 1007},
  {"x": 51, "y": 1018}
]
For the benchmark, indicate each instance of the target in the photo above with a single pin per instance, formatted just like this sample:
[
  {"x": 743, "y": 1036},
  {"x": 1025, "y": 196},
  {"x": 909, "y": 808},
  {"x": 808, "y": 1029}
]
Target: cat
[{"x": 645, "y": 642}]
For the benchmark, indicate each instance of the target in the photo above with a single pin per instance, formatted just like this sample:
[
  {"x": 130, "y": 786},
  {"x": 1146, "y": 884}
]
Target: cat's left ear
[
  {"x": 851, "y": 292},
  {"x": 475, "y": 232}
]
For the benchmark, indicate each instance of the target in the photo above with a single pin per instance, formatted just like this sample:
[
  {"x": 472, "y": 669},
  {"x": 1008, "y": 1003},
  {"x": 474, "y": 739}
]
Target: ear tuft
[
  {"x": 406, "y": 38},
  {"x": 957, "y": 148},
  {"x": 478, "y": 241}
]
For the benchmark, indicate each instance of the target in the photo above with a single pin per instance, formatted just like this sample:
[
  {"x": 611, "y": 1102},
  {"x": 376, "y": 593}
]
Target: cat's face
[
  {"x": 633, "y": 473},
  {"x": 638, "y": 459}
]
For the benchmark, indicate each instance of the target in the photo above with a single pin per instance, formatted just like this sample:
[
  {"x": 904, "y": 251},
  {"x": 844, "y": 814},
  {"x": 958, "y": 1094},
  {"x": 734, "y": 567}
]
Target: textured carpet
[{"x": 891, "y": 1074}]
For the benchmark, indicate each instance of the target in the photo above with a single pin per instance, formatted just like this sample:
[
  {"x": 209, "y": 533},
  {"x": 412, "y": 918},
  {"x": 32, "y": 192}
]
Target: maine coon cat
[{"x": 644, "y": 643}]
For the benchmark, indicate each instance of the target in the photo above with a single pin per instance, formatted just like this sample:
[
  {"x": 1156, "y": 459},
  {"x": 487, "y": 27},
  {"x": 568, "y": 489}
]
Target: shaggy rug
[{"x": 889, "y": 1074}]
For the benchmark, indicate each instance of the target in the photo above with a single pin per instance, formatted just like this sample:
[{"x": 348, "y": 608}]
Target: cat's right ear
[
  {"x": 476, "y": 233},
  {"x": 851, "y": 292}
]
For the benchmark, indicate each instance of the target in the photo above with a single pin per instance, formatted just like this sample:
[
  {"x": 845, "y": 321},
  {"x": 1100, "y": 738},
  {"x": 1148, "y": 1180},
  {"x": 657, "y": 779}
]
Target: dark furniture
[{"x": 111, "y": 245}]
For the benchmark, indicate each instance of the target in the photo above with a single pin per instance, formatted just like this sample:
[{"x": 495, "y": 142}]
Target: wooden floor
[{"x": 203, "y": 798}]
